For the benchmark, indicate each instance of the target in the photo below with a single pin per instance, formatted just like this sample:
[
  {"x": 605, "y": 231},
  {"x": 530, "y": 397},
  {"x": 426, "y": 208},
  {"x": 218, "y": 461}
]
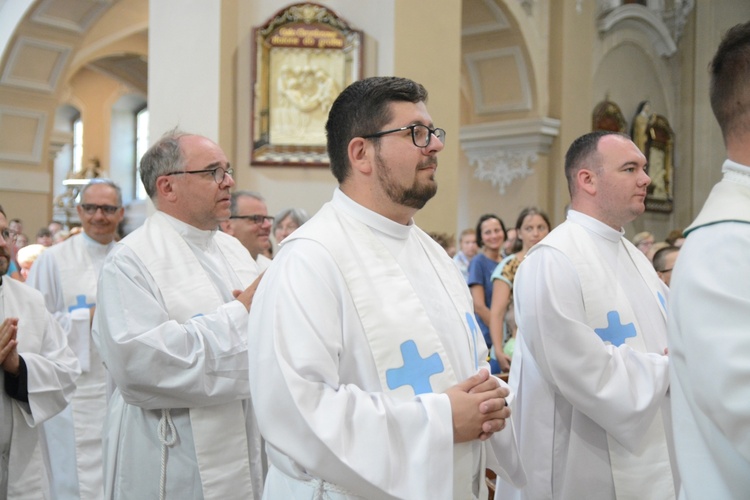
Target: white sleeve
[
  {"x": 157, "y": 362},
  {"x": 710, "y": 328},
  {"x": 617, "y": 387},
  {"x": 51, "y": 373},
  {"x": 317, "y": 394}
]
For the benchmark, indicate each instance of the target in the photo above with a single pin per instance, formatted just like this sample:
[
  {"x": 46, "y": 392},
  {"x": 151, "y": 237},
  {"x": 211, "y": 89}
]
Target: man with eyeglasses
[
  {"x": 67, "y": 275},
  {"x": 369, "y": 376},
  {"x": 37, "y": 379},
  {"x": 251, "y": 224},
  {"x": 664, "y": 261},
  {"x": 171, "y": 326}
]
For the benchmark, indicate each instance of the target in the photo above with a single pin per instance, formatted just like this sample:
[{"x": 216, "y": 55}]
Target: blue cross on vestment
[
  {"x": 662, "y": 301},
  {"x": 416, "y": 370},
  {"x": 80, "y": 304},
  {"x": 616, "y": 333}
]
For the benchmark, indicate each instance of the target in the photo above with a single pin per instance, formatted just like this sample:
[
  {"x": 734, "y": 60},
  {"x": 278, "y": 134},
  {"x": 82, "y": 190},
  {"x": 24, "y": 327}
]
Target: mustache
[{"x": 429, "y": 163}]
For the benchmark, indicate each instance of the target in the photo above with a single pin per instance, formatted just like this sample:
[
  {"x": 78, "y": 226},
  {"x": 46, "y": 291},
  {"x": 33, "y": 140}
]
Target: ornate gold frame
[{"x": 304, "y": 56}]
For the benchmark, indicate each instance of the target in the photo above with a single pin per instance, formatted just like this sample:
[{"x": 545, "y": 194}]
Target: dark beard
[{"x": 415, "y": 196}]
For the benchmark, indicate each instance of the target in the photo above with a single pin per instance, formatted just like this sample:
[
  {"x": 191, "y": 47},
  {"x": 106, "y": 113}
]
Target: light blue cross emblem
[
  {"x": 416, "y": 370},
  {"x": 662, "y": 300},
  {"x": 616, "y": 333},
  {"x": 80, "y": 304}
]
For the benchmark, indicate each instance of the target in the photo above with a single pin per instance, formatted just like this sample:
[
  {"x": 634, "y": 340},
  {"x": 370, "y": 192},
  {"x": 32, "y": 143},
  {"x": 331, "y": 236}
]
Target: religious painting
[
  {"x": 607, "y": 116},
  {"x": 659, "y": 152},
  {"x": 304, "y": 56}
]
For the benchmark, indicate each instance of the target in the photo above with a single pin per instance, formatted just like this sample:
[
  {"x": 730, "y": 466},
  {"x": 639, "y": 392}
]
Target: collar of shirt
[
  {"x": 595, "y": 226},
  {"x": 200, "y": 238},
  {"x": 736, "y": 172},
  {"x": 370, "y": 218}
]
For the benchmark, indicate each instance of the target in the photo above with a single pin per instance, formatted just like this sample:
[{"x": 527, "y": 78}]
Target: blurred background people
[
  {"x": 643, "y": 241},
  {"x": 286, "y": 222},
  {"x": 467, "y": 249},
  {"x": 664, "y": 260}
]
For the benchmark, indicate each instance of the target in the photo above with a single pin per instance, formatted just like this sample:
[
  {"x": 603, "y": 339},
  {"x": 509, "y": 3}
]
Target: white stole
[
  {"x": 79, "y": 277},
  {"x": 728, "y": 200},
  {"x": 26, "y": 474},
  {"x": 219, "y": 431},
  {"x": 394, "y": 319},
  {"x": 648, "y": 467}
]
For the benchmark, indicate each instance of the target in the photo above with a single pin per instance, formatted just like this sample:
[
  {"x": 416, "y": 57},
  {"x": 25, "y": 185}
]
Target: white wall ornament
[{"x": 503, "y": 152}]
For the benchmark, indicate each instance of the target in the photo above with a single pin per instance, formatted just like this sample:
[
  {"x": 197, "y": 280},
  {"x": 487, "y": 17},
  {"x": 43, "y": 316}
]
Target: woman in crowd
[
  {"x": 287, "y": 221},
  {"x": 532, "y": 225},
  {"x": 490, "y": 237}
]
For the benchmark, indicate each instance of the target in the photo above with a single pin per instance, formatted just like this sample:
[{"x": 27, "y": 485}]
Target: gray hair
[
  {"x": 163, "y": 157},
  {"x": 106, "y": 182},
  {"x": 238, "y": 194},
  {"x": 298, "y": 215}
]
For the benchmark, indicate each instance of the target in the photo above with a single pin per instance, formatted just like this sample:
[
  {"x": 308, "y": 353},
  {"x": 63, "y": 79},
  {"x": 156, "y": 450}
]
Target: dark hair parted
[
  {"x": 486, "y": 217},
  {"x": 582, "y": 152},
  {"x": 730, "y": 81},
  {"x": 363, "y": 109}
]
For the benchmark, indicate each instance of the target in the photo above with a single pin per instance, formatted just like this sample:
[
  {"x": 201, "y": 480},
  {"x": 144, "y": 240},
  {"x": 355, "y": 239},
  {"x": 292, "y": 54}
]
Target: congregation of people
[{"x": 221, "y": 352}]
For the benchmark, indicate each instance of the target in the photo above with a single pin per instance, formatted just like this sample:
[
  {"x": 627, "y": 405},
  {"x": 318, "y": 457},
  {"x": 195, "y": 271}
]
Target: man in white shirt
[
  {"x": 37, "y": 379},
  {"x": 708, "y": 330},
  {"x": 171, "y": 326},
  {"x": 589, "y": 368},
  {"x": 368, "y": 370},
  {"x": 67, "y": 275},
  {"x": 251, "y": 224}
]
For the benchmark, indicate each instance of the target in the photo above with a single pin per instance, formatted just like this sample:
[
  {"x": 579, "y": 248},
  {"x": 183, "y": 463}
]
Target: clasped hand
[{"x": 478, "y": 406}]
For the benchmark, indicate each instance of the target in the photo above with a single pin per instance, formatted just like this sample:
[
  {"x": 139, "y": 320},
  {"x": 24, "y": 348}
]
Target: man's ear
[
  {"x": 586, "y": 181},
  {"x": 360, "y": 155},
  {"x": 165, "y": 189}
]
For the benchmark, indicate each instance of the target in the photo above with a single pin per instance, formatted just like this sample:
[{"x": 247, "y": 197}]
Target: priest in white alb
[
  {"x": 368, "y": 371},
  {"x": 589, "y": 370},
  {"x": 171, "y": 326},
  {"x": 67, "y": 275},
  {"x": 37, "y": 380}
]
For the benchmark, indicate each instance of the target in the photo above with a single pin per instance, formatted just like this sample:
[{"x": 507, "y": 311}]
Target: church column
[
  {"x": 572, "y": 28},
  {"x": 191, "y": 68},
  {"x": 428, "y": 50}
]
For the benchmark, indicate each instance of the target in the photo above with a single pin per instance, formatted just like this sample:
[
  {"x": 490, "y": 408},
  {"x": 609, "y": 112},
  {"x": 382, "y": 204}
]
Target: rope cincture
[{"x": 167, "y": 437}]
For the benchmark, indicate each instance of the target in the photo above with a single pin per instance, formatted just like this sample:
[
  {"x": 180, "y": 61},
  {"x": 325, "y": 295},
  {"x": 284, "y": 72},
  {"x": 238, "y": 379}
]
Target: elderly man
[
  {"x": 592, "y": 380},
  {"x": 710, "y": 309},
  {"x": 251, "y": 224},
  {"x": 37, "y": 379},
  {"x": 369, "y": 377},
  {"x": 171, "y": 326},
  {"x": 67, "y": 276}
]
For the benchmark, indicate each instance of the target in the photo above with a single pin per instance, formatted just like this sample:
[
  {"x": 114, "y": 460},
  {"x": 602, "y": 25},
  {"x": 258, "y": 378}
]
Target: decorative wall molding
[
  {"x": 502, "y": 152},
  {"x": 18, "y": 120},
  {"x": 644, "y": 20},
  {"x": 76, "y": 16},
  {"x": 498, "y": 22},
  {"x": 43, "y": 74},
  {"x": 473, "y": 63}
]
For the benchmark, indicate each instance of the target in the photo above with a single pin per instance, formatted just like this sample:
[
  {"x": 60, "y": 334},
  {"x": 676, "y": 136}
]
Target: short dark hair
[
  {"x": 481, "y": 220},
  {"x": 3, "y": 212},
  {"x": 660, "y": 256},
  {"x": 582, "y": 152},
  {"x": 730, "y": 81},
  {"x": 363, "y": 108}
]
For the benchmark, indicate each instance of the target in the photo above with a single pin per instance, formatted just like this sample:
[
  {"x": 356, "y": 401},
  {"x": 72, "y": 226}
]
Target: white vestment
[
  {"x": 67, "y": 274},
  {"x": 263, "y": 262},
  {"x": 591, "y": 407},
  {"x": 175, "y": 343},
  {"x": 327, "y": 350},
  {"x": 52, "y": 369},
  {"x": 709, "y": 345}
]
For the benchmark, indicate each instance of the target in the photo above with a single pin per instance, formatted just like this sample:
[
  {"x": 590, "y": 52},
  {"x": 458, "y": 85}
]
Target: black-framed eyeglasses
[
  {"x": 420, "y": 134},
  {"x": 255, "y": 219},
  {"x": 218, "y": 173},
  {"x": 8, "y": 234},
  {"x": 91, "y": 208}
]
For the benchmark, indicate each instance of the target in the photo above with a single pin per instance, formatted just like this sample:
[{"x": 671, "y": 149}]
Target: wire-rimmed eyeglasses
[
  {"x": 420, "y": 134},
  {"x": 218, "y": 173},
  {"x": 256, "y": 219},
  {"x": 9, "y": 234}
]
